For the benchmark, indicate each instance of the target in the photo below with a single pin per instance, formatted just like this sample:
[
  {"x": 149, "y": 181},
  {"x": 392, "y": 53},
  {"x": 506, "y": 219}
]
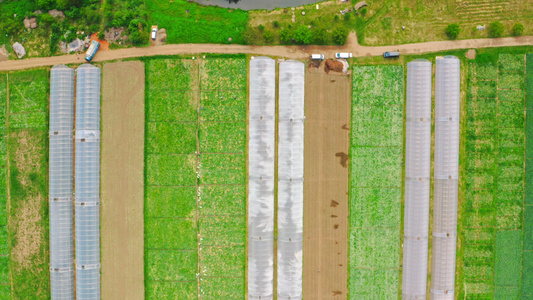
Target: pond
[{"x": 257, "y": 4}]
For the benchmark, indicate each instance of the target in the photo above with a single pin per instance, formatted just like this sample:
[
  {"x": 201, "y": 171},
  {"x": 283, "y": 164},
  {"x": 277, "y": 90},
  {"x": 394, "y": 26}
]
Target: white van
[
  {"x": 343, "y": 55},
  {"x": 317, "y": 56}
]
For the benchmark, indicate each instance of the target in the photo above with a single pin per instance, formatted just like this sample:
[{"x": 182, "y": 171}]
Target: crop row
[
  {"x": 527, "y": 265},
  {"x": 375, "y": 181}
]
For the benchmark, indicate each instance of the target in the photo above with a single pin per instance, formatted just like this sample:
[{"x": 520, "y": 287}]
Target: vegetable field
[
  {"x": 376, "y": 180},
  {"x": 5, "y": 282},
  {"x": 195, "y": 212},
  {"x": 27, "y": 147},
  {"x": 493, "y": 206}
]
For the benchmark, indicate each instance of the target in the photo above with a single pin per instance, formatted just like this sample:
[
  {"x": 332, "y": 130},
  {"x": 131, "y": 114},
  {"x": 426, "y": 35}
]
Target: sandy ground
[
  {"x": 122, "y": 181},
  {"x": 295, "y": 52},
  {"x": 327, "y": 138}
]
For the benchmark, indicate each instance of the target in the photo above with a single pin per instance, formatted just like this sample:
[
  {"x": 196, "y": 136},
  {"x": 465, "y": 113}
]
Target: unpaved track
[
  {"x": 294, "y": 52},
  {"x": 327, "y": 138},
  {"x": 122, "y": 181}
]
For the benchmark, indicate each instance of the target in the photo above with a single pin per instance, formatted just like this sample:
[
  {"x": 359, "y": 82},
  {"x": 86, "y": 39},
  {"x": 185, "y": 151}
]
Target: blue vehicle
[{"x": 92, "y": 51}]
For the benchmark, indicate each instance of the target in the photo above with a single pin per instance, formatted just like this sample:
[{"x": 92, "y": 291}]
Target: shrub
[
  {"x": 347, "y": 17},
  {"x": 286, "y": 36},
  {"x": 276, "y": 24},
  {"x": 496, "y": 29},
  {"x": 261, "y": 27},
  {"x": 303, "y": 35},
  {"x": 268, "y": 36},
  {"x": 321, "y": 36},
  {"x": 336, "y": 18},
  {"x": 340, "y": 35},
  {"x": 518, "y": 29},
  {"x": 364, "y": 11},
  {"x": 453, "y": 30},
  {"x": 101, "y": 35}
]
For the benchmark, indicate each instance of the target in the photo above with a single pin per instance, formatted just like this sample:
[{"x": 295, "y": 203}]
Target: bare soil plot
[
  {"x": 327, "y": 139},
  {"x": 122, "y": 181}
]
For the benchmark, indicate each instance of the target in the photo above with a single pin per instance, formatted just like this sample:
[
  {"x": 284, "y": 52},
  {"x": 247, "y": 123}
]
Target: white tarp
[
  {"x": 261, "y": 151},
  {"x": 290, "y": 179}
]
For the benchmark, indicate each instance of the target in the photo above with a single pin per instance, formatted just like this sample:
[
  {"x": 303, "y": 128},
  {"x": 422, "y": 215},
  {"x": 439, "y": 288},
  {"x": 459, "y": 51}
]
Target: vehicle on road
[
  {"x": 92, "y": 51},
  {"x": 391, "y": 54},
  {"x": 154, "y": 32},
  {"x": 343, "y": 55},
  {"x": 317, "y": 56}
]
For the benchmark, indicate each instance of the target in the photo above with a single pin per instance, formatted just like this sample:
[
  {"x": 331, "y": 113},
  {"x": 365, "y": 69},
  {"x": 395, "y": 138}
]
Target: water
[{"x": 257, "y": 4}]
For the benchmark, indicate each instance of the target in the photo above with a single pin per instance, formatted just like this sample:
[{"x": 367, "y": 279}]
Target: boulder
[
  {"x": 30, "y": 23},
  {"x": 360, "y": 4},
  {"x": 56, "y": 13},
  {"x": 19, "y": 49},
  {"x": 76, "y": 45}
]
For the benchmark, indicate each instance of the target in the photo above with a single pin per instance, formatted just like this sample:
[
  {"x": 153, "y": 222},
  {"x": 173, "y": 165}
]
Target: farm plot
[
  {"x": 527, "y": 268},
  {"x": 494, "y": 180},
  {"x": 5, "y": 282},
  {"x": 27, "y": 147},
  {"x": 195, "y": 208},
  {"x": 171, "y": 257},
  {"x": 222, "y": 178},
  {"x": 376, "y": 181}
]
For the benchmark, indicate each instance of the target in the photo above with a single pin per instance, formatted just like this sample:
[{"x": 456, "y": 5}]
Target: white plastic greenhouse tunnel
[
  {"x": 446, "y": 176},
  {"x": 60, "y": 182},
  {"x": 290, "y": 179},
  {"x": 261, "y": 151},
  {"x": 87, "y": 182},
  {"x": 417, "y": 179}
]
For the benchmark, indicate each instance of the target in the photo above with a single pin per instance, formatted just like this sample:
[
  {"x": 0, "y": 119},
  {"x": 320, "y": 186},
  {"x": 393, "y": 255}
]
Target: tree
[
  {"x": 518, "y": 29},
  {"x": 286, "y": 35},
  {"x": 321, "y": 36},
  {"x": 276, "y": 24},
  {"x": 47, "y": 20},
  {"x": 340, "y": 35},
  {"x": 496, "y": 29},
  {"x": 261, "y": 27},
  {"x": 453, "y": 30},
  {"x": 101, "y": 35},
  {"x": 303, "y": 35}
]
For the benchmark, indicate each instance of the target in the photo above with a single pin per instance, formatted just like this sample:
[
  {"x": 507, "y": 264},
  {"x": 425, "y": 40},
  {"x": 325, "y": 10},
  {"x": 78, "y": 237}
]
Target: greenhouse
[
  {"x": 446, "y": 174},
  {"x": 87, "y": 182},
  {"x": 417, "y": 176},
  {"x": 60, "y": 182},
  {"x": 261, "y": 151},
  {"x": 290, "y": 179}
]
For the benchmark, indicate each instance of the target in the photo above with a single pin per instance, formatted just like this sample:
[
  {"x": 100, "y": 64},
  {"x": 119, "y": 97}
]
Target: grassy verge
[{"x": 28, "y": 184}]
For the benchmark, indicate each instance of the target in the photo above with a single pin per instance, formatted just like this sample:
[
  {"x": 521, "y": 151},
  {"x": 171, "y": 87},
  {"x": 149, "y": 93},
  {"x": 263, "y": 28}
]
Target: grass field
[
  {"x": 28, "y": 184},
  {"x": 375, "y": 181},
  {"x": 195, "y": 212},
  {"x": 527, "y": 267},
  {"x": 492, "y": 214},
  {"x": 5, "y": 281}
]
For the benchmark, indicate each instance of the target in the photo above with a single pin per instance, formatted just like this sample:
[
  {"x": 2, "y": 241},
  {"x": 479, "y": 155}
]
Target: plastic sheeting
[
  {"x": 261, "y": 150},
  {"x": 447, "y": 109},
  {"x": 60, "y": 182},
  {"x": 87, "y": 182},
  {"x": 290, "y": 179},
  {"x": 417, "y": 176}
]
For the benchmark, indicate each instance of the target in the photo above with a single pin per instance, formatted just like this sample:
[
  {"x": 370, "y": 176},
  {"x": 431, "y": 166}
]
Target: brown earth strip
[
  {"x": 327, "y": 117},
  {"x": 122, "y": 180}
]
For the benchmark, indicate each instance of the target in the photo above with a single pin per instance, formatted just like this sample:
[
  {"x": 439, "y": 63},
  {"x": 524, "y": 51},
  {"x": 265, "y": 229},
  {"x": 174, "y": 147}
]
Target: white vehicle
[
  {"x": 317, "y": 56},
  {"x": 343, "y": 55},
  {"x": 154, "y": 32}
]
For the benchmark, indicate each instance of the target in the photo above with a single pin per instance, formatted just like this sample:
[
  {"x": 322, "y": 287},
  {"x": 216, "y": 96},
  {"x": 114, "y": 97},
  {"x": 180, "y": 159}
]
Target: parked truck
[
  {"x": 391, "y": 54},
  {"x": 92, "y": 51}
]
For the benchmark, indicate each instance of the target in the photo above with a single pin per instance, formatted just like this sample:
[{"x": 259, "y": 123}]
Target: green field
[
  {"x": 493, "y": 208},
  {"x": 376, "y": 181},
  {"x": 27, "y": 147},
  {"x": 5, "y": 281},
  {"x": 195, "y": 216},
  {"x": 527, "y": 267}
]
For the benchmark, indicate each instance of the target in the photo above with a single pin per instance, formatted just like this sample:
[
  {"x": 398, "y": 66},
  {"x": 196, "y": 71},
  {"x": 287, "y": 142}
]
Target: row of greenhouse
[
  {"x": 417, "y": 178},
  {"x": 261, "y": 147},
  {"x": 86, "y": 183}
]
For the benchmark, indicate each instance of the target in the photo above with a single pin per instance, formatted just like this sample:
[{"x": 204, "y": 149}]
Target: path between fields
[{"x": 295, "y": 52}]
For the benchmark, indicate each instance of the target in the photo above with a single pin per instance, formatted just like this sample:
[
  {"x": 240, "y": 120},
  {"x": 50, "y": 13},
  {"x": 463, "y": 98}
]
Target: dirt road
[
  {"x": 327, "y": 139},
  {"x": 294, "y": 52},
  {"x": 122, "y": 181}
]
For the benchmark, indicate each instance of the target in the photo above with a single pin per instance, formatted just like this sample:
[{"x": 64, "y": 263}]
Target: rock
[
  {"x": 56, "y": 14},
  {"x": 63, "y": 47},
  {"x": 30, "y": 23},
  {"x": 37, "y": 12},
  {"x": 360, "y": 4},
  {"x": 19, "y": 49},
  {"x": 76, "y": 45}
]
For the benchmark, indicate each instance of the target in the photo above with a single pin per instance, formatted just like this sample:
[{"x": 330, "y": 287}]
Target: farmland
[
  {"x": 195, "y": 208},
  {"x": 375, "y": 181},
  {"x": 27, "y": 147}
]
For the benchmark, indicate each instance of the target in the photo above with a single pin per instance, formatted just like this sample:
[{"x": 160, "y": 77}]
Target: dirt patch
[
  {"x": 332, "y": 65},
  {"x": 3, "y": 53},
  {"x": 471, "y": 54},
  {"x": 122, "y": 180},
  {"x": 103, "y": 44},
  {"x": 327, "y": 101}
]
